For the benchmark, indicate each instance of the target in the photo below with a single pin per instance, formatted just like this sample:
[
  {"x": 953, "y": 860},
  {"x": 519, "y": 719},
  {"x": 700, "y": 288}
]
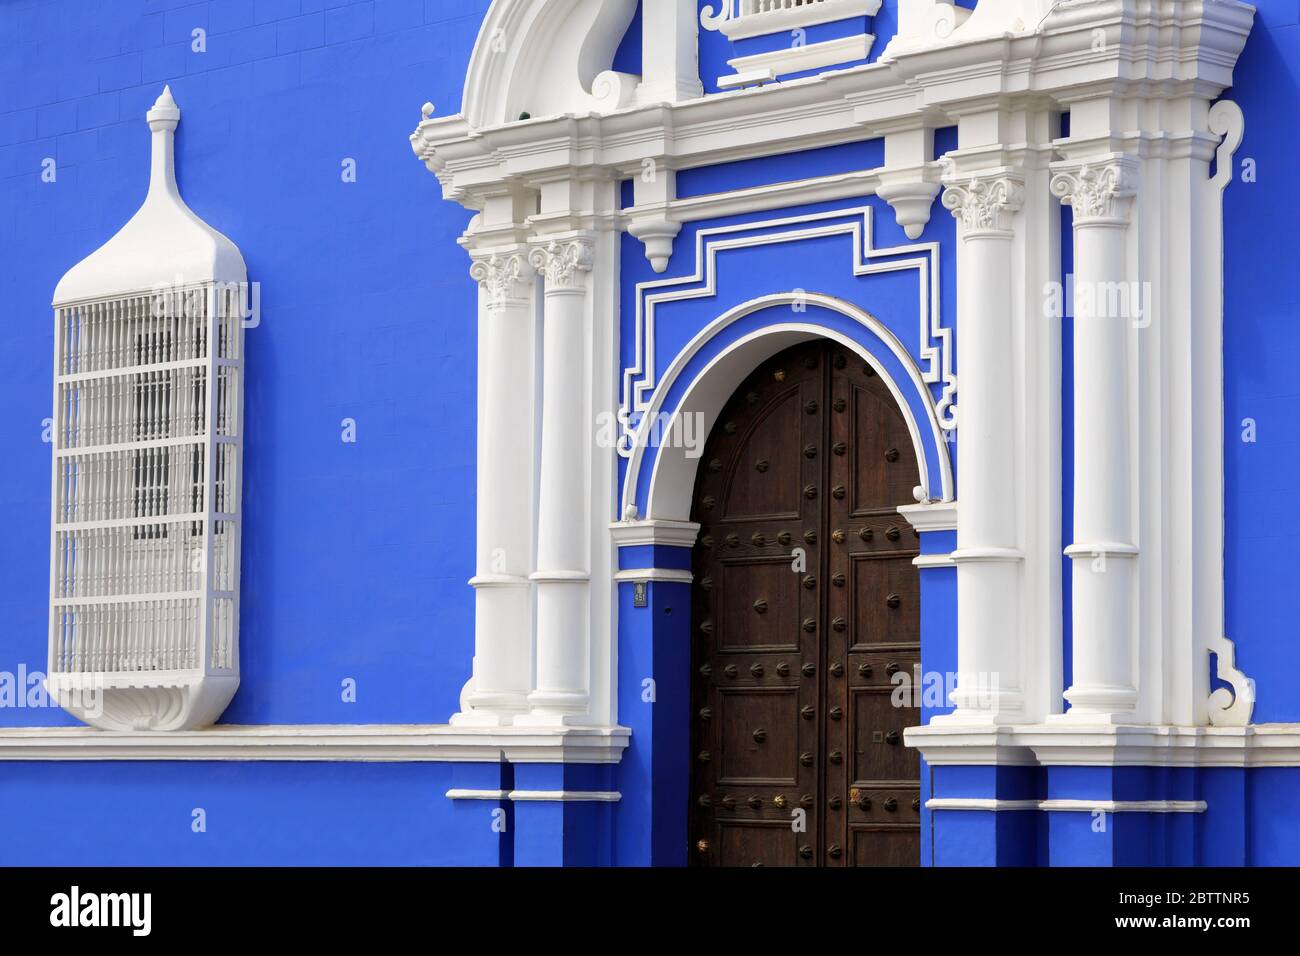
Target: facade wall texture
[{"x": 360, "y": 444}]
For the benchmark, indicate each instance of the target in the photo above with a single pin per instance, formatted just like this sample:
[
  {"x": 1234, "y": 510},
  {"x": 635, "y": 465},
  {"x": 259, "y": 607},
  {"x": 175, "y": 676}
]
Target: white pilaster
[
  {"x": 1104, "y": 551},
  {"x": 561, "y": 688},
  {"x": 670, "y": 52},
  {"x": 503, "y": 626},
  {"x": 988, "y": 556}
]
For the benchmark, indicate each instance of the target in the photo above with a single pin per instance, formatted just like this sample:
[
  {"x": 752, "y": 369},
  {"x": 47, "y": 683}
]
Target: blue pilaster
[
  {"x": 559, "y": 831},
  {"x": 654, "y": 671},
  {"x": 1097, "y": 837},
  {"x": 487, "y": 824},
  {"x": 970, "y": 837}
]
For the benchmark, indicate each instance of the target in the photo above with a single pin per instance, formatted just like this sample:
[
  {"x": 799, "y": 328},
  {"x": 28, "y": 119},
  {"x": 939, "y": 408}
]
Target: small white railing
[
  {"x": 752, "y": 7},
  {"x": 739, "y": 18}
]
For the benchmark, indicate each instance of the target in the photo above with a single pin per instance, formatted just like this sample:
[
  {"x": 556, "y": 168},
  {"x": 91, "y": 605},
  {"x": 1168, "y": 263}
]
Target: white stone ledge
[
  {"x": 1257, "y": 745},
  {"x": 1074, "y": 806},
  {"x": 366, "y": 743}
]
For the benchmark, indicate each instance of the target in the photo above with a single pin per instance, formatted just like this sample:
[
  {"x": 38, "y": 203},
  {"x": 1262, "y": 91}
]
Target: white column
[
  {"x": 988, "y": 556},
  {"x": 563, "y": 574},
  {"x": 1103, "y": 553},
  {"x": 503, "y": 631}
]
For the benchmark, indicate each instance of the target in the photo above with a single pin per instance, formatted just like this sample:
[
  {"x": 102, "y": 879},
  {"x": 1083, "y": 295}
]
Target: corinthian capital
[
  {"x": 563, "y": 261},
  {"x": 1096, "y": 190},
  {"x": 985, "y": 203},
  {"x": 502, "y": 277}
]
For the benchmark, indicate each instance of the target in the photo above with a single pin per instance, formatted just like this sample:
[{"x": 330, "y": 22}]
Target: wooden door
[{"x": 806, "y": 605}]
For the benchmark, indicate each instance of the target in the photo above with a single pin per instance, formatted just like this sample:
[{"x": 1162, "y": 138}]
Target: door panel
[{"x": 806, "y": 605}]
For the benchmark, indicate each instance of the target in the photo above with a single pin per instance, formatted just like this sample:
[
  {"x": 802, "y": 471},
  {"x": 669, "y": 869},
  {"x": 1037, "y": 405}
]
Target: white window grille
[{"x": 144, "y": 569}]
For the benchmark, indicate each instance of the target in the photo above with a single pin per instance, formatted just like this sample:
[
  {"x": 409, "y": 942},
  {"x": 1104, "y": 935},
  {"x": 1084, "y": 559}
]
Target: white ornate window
[{"x": 144, "y": 567}]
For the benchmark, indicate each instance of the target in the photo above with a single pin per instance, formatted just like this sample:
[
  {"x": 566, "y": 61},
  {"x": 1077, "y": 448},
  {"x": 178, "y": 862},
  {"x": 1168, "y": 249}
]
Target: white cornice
[
  {"x": 668, "y": 575},
  {"x": 939, "y": 516},
  {"x": 811, "y": 56},
  {"x": 324, "y": 742},
  {"x": 1148, "y": 56},
  {"x": 675, "y": 534},
  {"x": 1258, "y": 745}
]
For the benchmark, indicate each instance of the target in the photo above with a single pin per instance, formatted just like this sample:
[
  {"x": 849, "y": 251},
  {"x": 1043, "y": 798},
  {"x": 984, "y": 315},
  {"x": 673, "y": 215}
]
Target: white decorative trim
[
  {"x": 530, "y": 54},
  {"x": 365, "y": 743},
  {"x": 1225, "y": 708},
  {"x": 985, "y": 203},
  {"x": 502, "y": 278},
  {"x": 751, "y": 78},
  {"x": 566, "y": 796},
  {"x": 670, "y": 575},
  {"x": 979, "y": 803},
  {"x": 1058, "y": 745},
  {"x": 738, "y": 25},
  {"x": 673, "y": 534},
  {"x": 640, "y": 378},
  {"x": 559, "y": 796},
  {"x": 936, "y": 516},
  {"x": 563, "y": 263},
  {"x": 454, "y": 794},
  {"x": 1059, "y": 805},
  {"x": 1230, "y": 708},
  {"x": 1123, "y": 806},
  {"x": 1096, "y": 191},
  {"x": 672, "y": 487},
  {"x": 934, "y": 561},
  {"x": 810, "y": 56}
]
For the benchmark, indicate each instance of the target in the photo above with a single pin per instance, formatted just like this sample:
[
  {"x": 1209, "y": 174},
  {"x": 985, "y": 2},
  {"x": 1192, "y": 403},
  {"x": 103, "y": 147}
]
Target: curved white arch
[
  {"x": 541, "y": 57},
  {"x": 673, "y": 476}
]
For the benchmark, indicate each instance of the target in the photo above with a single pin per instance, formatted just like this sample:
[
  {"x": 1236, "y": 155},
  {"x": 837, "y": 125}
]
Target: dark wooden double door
[{"x": 806, "y": 605}]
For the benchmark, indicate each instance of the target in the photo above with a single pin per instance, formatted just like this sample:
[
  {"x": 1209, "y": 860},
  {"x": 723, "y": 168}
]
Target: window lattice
[{"x": 146, "y": 480}]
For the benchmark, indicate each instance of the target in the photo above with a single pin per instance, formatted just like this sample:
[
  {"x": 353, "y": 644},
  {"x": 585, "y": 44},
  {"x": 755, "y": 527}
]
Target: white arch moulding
[{"x": 672, "y": 474}]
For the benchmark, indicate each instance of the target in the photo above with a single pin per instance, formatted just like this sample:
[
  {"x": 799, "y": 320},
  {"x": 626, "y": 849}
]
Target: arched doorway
[{"x": 806, "y": 604}]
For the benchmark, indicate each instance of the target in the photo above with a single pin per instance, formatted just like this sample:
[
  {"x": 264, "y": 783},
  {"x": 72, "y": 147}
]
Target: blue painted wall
[
  {"x": 1261, "y": 351},
  {"x": 355, "y": 556},
  {"x": 291, "y": 814}
]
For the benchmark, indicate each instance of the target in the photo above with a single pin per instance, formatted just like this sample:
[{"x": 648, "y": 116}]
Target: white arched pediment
[{"x": 545, "y": 57}]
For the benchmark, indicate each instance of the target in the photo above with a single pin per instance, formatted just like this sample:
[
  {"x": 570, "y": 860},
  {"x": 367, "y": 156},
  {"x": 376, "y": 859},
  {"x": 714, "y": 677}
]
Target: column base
[
  {"x": 979, "y": 718},
  {"x": 486, "y": 718},
  {"x": 988, "y": 707},
  {"x": 1106, "y": 706},
  {"x": 553, "y": 708}
]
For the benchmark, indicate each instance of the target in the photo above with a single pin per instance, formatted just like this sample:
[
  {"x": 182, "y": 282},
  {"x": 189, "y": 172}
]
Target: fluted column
[
  {"x": 988, "y": 556},
  {"x": 563, "y": 575},
  {"x": 503, "y": 627},
  {"x": 1103, "y": 554}
]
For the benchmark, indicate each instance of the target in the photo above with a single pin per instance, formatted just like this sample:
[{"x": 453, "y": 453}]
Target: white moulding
[{"x": 438, "y": 743}]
